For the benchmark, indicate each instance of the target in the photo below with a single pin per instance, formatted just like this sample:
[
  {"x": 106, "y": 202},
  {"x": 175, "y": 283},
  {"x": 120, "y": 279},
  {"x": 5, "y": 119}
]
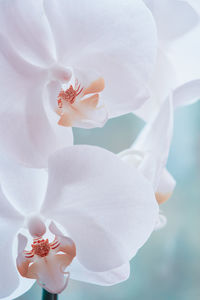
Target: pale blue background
[{"x": 168, "y": 266}]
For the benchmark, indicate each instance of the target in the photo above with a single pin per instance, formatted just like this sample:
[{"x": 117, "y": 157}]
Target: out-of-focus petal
[
  {"x": 155, "y": 140},
  {"x": 111, "y": 277},
  {"x": 161, "y": 222},
  {"x": 184, "y": 55},
  {"x": 187, "y": 93},
  {"x": 178, "y": 53},
  {"x": 165, "y": 187},
  {"x": 173, "y": 17},
  {"x": 24, "y": 285},
  {"x": 161, "y": 85},
  {"x": 91, "y": 193},
  {"x": 195, "y": 4},
  {"x": 10, "y": 222},
  {"x": 24, "y": 187},
  {"x": 117, "y": 39},
  {"x": 26, "y": 26}
]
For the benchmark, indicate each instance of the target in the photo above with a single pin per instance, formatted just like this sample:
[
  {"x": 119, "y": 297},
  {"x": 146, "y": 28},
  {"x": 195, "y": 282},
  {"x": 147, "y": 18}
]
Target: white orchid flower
[
  {"x": 69, "y": 63},
  {"x": 178, "y": 26},
  {"x": 149, "y": 153},
  {"x": 86, "y": 222}
]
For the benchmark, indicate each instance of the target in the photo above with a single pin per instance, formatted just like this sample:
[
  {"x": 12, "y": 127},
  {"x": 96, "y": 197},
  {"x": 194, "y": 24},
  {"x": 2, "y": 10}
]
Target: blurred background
[{"x": 168, "y": 266}]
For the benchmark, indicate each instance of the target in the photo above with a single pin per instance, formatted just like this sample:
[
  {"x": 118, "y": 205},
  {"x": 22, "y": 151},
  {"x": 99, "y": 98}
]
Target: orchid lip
[
  {"x": 46, "y": 261},
  {"x": 79, "y": 104}
]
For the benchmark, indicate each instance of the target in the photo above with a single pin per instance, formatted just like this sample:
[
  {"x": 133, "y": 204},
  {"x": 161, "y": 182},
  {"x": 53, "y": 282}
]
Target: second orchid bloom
[{"x": 89, "y": 219}]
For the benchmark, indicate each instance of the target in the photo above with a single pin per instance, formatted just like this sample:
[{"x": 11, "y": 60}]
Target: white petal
[
  {"x": 25, "y": 187},
  {"x": 184, "y": 55},
  {"x": 91, "y": 193},
  {"x": 24, "y": 285},
  {"x": 111, "y": 277},
  {"x": 26, "y": 26},
  {"x": 25, "y": 130},
  {"x": 195, "y": 4},
  {"x": 155, "y": 140},
  {"x": 161, "y": 222},
  {"x": 10, "y": 222},
  {"x": 173, "y": 17},
  {"x": 161, "y": 84},
  {"x": 117, "y": 39},
  {"x": 187, "y": 93},
  {"x": 184, "y": 94},
  {"x": 165, "y": 187}
]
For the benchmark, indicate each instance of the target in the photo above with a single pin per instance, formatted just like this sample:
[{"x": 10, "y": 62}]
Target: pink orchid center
[
  {"x": 46, "y": 261},
  {"x": 79, "y": 103},
  {"x": 40, "y": 247}
]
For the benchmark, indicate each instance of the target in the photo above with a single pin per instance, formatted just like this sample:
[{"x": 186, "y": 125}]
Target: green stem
[{"x": 48, "y": 296}]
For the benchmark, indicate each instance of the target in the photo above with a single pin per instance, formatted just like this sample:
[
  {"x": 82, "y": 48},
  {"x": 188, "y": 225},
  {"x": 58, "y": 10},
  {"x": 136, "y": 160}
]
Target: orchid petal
[
  {"x": 85, "y": 114},
  {"x": 96, "y": 86},
  {"x": 66, "y": 244},
  {"x": 187, "y": 94},
  {"x": 183, "y": 17},
  {"x": 22, "y": 262},
  {"x": 161, "y": 222},
  {"x": 11, "y": 220},
  {"x": 25, "y": 130},
  {"x": 155, "y": 139},
  {"x": 177, "y": 41},
  {"x": 184, "y": 55},
  {"x": 108, "y": 278},
  {"x": 119, "y": 45},
  {"x": 22, "y": 22},
  {"x": 161, "y": 85},
  {"x": 165, "y": 187},
  {"x": 195, "y": 4},
  {"x": 24, "y": 285},
  {"x": 25, "y": 187},
  {"x": 99, "y": 206}
]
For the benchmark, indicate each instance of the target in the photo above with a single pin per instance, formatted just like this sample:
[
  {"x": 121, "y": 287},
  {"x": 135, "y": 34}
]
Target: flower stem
[{"x": 48, "y": 296}]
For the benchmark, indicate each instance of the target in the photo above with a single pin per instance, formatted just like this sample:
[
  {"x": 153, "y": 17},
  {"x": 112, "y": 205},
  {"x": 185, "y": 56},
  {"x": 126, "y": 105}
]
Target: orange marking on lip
[{"x": 41, "y": 247}]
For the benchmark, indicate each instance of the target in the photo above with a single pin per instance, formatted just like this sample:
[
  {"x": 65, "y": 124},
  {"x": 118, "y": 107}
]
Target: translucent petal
[
  {"x": 111, "y": 277},
  {"x": 183, "y": 17},
  {"x": 10, "y": 222},
  {"x": 184, "y": 55},
  {"x": 91, "y": 193},
  {"x": 161, "y": 85},
  {"x": 22, "y": 22},
  {"x": 24, "y": 285},
  {"x": 154, "y": 141},
  {"x": 24, "y": 187}
]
